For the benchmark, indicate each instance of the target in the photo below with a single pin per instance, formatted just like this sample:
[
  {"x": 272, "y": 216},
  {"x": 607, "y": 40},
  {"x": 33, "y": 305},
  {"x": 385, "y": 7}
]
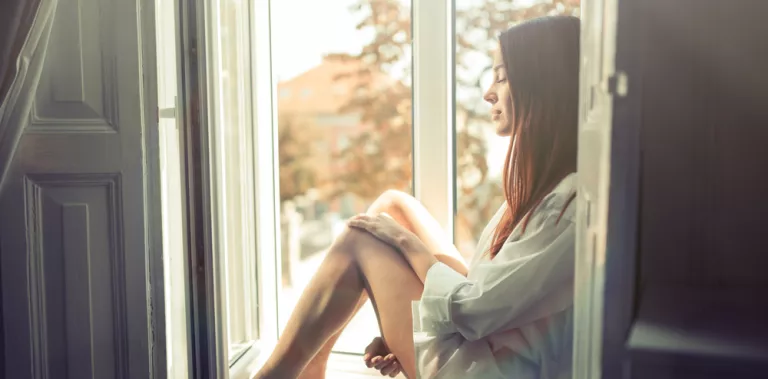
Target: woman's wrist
[
  {"x": 408, "y": 242},
  {"x": 417, "y": 254}
]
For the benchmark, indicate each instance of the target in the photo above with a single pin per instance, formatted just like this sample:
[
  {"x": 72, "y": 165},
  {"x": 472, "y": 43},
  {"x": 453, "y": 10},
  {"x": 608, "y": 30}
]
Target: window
[
  {"x": 281, "y": 193},
  {"x": 232, "y": 187},
  {"x": 316, "y": 193},
  {"x": 480, "y": 153}
]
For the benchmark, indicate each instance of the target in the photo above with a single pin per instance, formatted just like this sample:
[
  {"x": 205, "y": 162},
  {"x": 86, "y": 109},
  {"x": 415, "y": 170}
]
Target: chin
[{"x": 503, "y": 130}]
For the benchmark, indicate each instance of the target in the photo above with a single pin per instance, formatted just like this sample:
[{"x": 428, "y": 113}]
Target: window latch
[
  {"x": 616, "y": 84},
  {"x": 167, "y": 112}
]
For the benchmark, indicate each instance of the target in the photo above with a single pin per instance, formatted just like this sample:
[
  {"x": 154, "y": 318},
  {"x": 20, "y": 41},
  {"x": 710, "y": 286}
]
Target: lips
[{"x": 495, "y": 115}]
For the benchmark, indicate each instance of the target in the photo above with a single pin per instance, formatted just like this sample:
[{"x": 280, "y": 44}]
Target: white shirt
[{"x": 511, "y": 317}]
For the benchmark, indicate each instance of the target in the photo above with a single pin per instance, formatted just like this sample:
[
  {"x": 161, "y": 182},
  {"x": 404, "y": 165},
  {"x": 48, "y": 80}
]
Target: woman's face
[{"x": 500, "y": 97}]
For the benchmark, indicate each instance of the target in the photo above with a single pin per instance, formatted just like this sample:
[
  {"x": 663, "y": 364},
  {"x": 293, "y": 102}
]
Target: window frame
[
  {"x": 434, "y": 167},
  {"x": 176, "y": 288},
  {"x": 432, "y": 26},
  {"x": 434, "y": 148},
  {"x": 265, "y": 165},
  {"x": 255, "y": 191}
]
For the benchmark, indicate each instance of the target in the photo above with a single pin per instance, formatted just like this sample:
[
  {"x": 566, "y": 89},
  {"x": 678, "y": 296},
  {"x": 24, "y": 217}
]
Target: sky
[{"x": 303, "y": 31}]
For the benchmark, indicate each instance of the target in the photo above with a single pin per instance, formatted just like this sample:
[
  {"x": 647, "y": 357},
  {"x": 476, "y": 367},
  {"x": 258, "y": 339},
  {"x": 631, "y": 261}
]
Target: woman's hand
[
  {"x": 401, "y": 239},
  {"x": 378, "y": 356},
  {"x": 383, "y": 227}
]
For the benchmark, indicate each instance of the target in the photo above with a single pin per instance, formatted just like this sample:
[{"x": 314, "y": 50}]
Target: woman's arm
[
  {"x": 389, "y": 231},
  {"x": 411, "y": 214},
  {"x": 531, "y": 278},
  {"x": 418, "y": 256}
]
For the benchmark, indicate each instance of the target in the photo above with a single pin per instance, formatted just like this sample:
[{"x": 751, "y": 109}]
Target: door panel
[
  {"x": 77, "y": 297},
  {"x": 75, "y": 242}
]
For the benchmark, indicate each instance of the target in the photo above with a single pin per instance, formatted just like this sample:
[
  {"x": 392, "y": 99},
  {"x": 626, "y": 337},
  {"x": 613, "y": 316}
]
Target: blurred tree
[
  {"x": 380, "y": 159},
  {"x": 295, "y": 151}
]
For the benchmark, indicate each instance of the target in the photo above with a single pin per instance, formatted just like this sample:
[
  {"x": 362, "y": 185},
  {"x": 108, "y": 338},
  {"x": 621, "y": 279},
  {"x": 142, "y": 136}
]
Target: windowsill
[
  {"x": 350, "y": 366},
  {"x": 236, "y": 351},
  {"x": 248, "y": 364},
  {"x": 340, "y": 366}
]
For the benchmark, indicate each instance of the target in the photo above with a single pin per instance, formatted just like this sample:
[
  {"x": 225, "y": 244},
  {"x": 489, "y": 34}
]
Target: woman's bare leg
[
  {"x": 316, "y": 367},
  {"x": 407, "y": 211},
  {"x": 411, "y": 214},
  {"x": 356, "y": 263}
]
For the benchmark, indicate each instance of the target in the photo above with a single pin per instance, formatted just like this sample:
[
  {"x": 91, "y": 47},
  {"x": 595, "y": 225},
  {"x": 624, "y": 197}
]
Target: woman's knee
[
  {"x": 384, "y": 203},
  {"x": 351, "y": 241},
  {"x": 348, "y": 240},
  {"x": 390, "y": 199}
]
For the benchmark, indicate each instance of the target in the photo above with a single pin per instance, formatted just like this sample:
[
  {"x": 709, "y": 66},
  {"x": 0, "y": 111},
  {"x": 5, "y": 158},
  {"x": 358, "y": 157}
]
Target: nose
[{"x": 490, "y": 96}]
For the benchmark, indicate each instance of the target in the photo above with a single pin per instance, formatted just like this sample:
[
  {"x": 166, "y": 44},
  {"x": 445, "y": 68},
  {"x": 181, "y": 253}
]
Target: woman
[{"x": 509, "y": 315}]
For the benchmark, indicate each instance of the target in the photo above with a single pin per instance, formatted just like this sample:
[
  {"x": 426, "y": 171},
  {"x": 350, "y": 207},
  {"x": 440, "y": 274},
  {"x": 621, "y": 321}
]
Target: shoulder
[{"x": 558, "y": 206}]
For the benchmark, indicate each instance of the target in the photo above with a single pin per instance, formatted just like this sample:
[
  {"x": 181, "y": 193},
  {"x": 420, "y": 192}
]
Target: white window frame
[
  {"x": 433, "y": 156},
  {"x": 223, "y": 292},
  {"x": 434, "y": 123},
  {"x": 433, "y": 135},
  {"x": 267, "y": 201}
]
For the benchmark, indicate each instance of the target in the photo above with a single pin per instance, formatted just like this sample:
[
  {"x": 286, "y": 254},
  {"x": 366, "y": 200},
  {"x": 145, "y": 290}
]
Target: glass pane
[
  {"x": 480, "y": 153},
  {"x": 174, "y": 267},
  {"x": 344, "y": 124},
  {"x": 233, "y": 166}
]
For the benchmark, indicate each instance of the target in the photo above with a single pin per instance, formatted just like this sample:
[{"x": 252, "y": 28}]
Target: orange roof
[{"x": 320, "y": 90}]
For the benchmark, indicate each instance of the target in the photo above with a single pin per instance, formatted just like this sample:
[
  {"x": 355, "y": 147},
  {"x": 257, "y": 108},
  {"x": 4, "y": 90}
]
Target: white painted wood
[
  {"x": 76, "y": 210},
  {"x": 594, "y": 167},
  {"x": 433, "y": 98},
  {"x": 267, "y": 202},
  {"x": 171, "y": 267}
]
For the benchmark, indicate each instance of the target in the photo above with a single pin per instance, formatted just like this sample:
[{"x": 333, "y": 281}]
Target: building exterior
[{"x": 316, "y": 99}]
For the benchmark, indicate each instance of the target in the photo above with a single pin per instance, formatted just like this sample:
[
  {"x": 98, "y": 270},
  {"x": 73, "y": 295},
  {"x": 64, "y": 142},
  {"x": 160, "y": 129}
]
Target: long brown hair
[{"x": 541, "y": 59}]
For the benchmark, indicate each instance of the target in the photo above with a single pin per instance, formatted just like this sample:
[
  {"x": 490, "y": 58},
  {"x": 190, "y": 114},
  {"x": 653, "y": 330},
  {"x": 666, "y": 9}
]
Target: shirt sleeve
[{"x": 529, "y": 279}]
